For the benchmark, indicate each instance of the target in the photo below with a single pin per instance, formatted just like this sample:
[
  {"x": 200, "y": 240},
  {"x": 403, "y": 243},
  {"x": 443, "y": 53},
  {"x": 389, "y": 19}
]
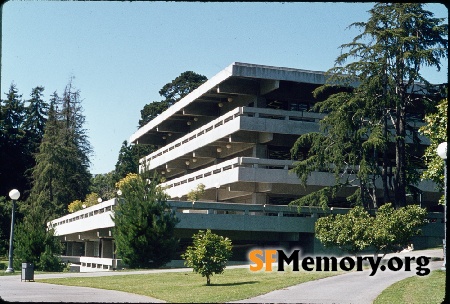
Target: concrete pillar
[
  {"x": 107, "y": 249},
  {"x": 259, "y": 198},
  {"x": 260, "y": 102},
  {"x": 89, "y": 249},
  {"x": 259, "y": 151}
]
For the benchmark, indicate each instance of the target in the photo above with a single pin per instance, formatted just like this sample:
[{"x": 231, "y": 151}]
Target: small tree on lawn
[{"x": 209, "y": 254}]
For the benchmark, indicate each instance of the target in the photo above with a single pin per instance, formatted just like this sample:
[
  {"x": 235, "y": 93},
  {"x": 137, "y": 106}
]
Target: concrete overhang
[{"x": 238, "y": 79}]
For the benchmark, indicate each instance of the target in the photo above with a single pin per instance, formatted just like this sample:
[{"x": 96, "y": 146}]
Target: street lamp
[
  {"x": 14, "y": 195},
  {"x": 442, "y": 152}
]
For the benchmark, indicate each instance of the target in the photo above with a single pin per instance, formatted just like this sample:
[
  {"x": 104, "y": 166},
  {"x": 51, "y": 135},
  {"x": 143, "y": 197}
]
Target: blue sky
[{"x": 122, "y": 53}]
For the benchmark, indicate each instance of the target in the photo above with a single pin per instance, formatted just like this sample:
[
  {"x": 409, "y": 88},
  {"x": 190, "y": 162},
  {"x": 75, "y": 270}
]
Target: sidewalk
[{"x": 353, "y": 287}]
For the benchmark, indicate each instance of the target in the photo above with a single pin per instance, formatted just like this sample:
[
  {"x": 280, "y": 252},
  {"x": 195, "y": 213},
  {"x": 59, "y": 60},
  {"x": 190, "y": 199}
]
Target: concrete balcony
[
  {"x": 91, "y": 218},
  {"x": 245, "y": 175},
  {"x": 241, "y": 125}
]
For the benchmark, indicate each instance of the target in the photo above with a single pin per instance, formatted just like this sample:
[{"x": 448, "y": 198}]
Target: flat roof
[{"x": 238, "y": 70}]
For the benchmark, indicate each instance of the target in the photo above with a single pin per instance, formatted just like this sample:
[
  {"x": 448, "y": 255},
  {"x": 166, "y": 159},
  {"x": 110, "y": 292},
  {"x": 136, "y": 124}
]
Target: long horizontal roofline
[{"x": 236, "y": 69}]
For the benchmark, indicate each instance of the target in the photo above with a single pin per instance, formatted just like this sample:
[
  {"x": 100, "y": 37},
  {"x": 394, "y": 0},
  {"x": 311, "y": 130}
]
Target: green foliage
[
  {"x": 5, "y": 224},
  {"x": 144, "y": 224},
  {"x": 209, "y": 254},
  {"x": 34, "y": 244},
  {"x": 195, "y": 194},
  {"x": 356, "y": 230},
  {"x": 384, "y": 63},
  {"x": 393, "y": 228},
  {"x": 436, "y": 130},
  {"x": 103, "y": 184},
  {"x": 61, "y": 174},
  {"x": 347, "y": 231},
  {"x": 173, "y": 91},
  {"x": 74, "y": 206},
  {"x": 128, "y": 160}
]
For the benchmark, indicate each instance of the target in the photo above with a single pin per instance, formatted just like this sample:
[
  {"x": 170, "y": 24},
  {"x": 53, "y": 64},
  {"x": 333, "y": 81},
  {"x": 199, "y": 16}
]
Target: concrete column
[
  {"x": 107, "y": 249},
  {"x": 89, "y": 249},
  {"x": 259, "y": 151},
  {"x": 259, "y": 198},
  {"x": 260, "y": 102}
]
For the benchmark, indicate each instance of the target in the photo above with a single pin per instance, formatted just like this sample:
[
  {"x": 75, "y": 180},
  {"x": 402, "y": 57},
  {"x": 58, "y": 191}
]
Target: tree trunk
[
  {"x": 208, "y": 280},
  {"x": 400, "y": 154}
]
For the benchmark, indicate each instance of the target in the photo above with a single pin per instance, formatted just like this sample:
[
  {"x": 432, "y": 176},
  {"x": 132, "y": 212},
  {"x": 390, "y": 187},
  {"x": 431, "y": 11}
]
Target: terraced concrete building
[{"x": 233, "y": 134}]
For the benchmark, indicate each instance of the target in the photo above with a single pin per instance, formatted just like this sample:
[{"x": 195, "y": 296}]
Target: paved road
[{"x": 354, "y": 287}]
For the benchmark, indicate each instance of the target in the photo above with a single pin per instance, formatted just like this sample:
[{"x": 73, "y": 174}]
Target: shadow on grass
[{"x": 233, "y": 284}]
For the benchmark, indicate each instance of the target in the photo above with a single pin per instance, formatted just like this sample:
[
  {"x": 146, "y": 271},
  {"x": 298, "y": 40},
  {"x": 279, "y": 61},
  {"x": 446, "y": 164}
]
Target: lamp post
[
  {"x": 442, "y": 152},
  {"x": 14, "y": 195}
]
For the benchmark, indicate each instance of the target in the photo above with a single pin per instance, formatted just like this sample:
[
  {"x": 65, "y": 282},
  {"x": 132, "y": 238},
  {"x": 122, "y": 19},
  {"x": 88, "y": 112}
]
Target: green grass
[
  {"x": 427, "y": 289},
  {"x": 233, "y": 284}
]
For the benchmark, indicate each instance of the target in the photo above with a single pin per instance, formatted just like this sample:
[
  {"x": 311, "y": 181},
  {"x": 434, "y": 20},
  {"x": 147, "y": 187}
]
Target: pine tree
[
  {"x": 35, "y": 244},
  {"x": 144, "y": 224},
  {"x": 12, "y": 143},
  {"x": 61, "y": 173},
  {"x": 47, "y": 189}
]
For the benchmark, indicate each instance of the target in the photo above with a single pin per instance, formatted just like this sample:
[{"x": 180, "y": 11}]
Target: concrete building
[{"x": 233, "y": 134}]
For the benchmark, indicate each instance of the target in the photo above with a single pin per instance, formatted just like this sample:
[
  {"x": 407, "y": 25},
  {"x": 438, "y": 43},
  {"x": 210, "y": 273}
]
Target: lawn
[
  {"x": 233, "y": 284},
  {"x": 427, "y": 289}
]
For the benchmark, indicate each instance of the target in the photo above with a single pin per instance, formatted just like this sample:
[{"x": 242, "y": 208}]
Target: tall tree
[
  {"x": 12, "y": 142},
  {"x": 385, "y": 62},
  {"x": 61, "y": 173}
]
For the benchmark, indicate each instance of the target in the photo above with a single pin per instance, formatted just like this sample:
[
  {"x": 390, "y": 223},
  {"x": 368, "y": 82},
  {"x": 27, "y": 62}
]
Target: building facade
[{"x": 233, "y": 134}]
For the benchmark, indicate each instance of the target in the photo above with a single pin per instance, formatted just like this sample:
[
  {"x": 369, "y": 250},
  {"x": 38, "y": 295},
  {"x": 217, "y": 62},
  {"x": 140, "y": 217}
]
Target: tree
[
  {"x": 392, "y": 229},
  {"x": 173, "y": 91},
  {"x": 436, "y": 130},
  {"x": 61, "y": 174},
  {"x": 103, "y": 184},
  {"x": 208, "y": 254},
  {"x": 144, "y": 224},
  {"x": 128, "y": 160},
  {"x": 385, "y": 63},
  {"x": 347, "y": 231},
  {"x": 34, "y": 243},
  {"x": 74, "y": 136},
  {"x": 181, "y": 86},
  {"x": 13, "y": 154},
  {"x": 195, "y": 194}
]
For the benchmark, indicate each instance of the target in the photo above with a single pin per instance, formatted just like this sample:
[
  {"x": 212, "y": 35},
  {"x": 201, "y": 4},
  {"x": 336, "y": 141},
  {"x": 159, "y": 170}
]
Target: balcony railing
[{"x": 228, "y": 117}]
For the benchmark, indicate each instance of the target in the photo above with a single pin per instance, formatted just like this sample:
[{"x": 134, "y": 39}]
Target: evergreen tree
[
  {"x": 144, "y": 224},
  {"x": 385, "y": 62},
  {"x": 36, "y": 117},
  {"x": 33, "y": 243},
  {"x": 74, "y": 136},
  {"x": 61, "y": 173},
  {"x": 48, "y": 190},
  {"x": 128, "y": 160},
  {"x": 12, "y": 142}
]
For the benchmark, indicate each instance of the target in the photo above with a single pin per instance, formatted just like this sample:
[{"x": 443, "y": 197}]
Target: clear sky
[{"x": 122, "y": 53}]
